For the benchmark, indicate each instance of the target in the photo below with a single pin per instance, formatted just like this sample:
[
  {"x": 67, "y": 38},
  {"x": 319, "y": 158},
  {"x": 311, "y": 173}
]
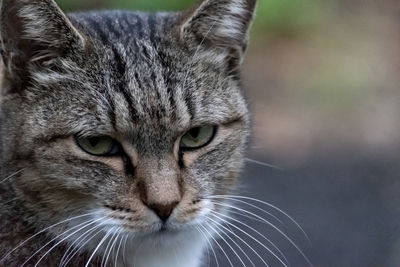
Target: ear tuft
[
  {"x": 34, "y": 32},
  {"x": 220, "y": 24}
]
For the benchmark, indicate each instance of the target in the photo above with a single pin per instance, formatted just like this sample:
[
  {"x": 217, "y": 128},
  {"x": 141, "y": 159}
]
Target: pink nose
[{"x": 163, "y": 211}]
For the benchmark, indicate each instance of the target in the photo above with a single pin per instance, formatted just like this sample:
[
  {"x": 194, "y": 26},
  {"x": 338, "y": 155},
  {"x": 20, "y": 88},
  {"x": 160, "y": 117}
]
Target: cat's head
[{"x": 138, "y": 118}]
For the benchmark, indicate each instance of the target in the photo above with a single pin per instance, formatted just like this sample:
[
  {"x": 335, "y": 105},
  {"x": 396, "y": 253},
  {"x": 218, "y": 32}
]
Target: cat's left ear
[
  {"x": 33, "y": 32},
  {"x": 221, "y": 26}
]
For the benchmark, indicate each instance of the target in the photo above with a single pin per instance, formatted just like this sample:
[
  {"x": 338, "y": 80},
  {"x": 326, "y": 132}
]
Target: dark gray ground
[{"x": 348, "y": 204}]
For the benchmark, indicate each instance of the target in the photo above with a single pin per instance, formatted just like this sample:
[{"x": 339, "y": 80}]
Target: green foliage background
[
  {"x": 319, "y": 56},
  {"x": 274, "y": 17}
]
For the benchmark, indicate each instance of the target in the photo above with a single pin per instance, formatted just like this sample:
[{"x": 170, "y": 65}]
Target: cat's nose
[
  {"x": 159, "y": 185},
  {"x": 163, "y": 211}
]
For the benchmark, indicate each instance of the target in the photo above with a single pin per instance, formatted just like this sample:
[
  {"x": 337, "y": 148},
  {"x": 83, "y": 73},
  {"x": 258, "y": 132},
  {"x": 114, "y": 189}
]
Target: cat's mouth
[
  {"x": 132, "y": 221},
  {"x": 162, "y": 230}
]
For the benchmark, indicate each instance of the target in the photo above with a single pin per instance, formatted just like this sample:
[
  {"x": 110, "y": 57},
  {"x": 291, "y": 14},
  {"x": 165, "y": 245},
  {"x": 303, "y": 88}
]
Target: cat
[{"x": 118, "y": 130}]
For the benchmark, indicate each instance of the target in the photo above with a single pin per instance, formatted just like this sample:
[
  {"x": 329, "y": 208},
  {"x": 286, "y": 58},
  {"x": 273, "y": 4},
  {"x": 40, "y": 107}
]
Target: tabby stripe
[
  {"x": 172, "y": 103},
  {"x": 181, "y": 163},
  {"x": 111, "y": 111},
  {"x": 121, "y": 70},
  {"x": 152, "y": 29},
  {"x": 138, "y": 26},
  {"x": 111, "y": 27},
  {"x": 168, "y": 80},
  {"x": 98, "y": 30},
  {"x": 146, "y": 54},
  {"x": 135, "y": 48},
  {"x": 189, "y": 103},
  {"x": 161, "y": 108}
]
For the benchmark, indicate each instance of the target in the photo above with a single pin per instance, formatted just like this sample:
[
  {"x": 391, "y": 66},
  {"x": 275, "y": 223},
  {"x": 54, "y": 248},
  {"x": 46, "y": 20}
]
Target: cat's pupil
[
  {"x": 195, "y": 132},
  {"x": 94, "y": 141}
]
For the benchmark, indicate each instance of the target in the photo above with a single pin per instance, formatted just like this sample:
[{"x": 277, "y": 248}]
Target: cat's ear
[
  {"x": 32, "y": 33},
  {"x": 220, "y": 25}
]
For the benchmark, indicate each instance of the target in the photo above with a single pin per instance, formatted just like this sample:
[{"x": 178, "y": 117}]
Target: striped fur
[{"x": 143, "y": 79}]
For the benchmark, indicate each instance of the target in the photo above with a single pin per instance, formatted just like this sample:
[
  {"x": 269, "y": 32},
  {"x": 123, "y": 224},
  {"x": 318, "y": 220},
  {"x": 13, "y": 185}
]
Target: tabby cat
[{"x": 117, "y": 130}]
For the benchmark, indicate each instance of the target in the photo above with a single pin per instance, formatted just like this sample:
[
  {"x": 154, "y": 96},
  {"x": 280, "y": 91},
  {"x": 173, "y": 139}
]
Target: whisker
[
  {"x": 245, "y": 215},
  {"x": 76, "y": 250},
  {"x": 195, "y": 54},
  {"x": 71, "y": 246},
  {"x": 210, "y": 245},
  {"x": 234, "y": 242},
  {"x": 11, "y": 200},
  {"x": 277, "y": 229},
  {"x": 260, "y": 209},
  {"x": 207, "y": 248},
  {"x": 42, "y": 231},
  {"x": 226, "y": 242},
  {"x": 84, "y": 235},
  {"x": 124, "y": 249},
  {"x": 112, "y": 249},
  {"x": 118, "y": 250},
  {"x": 216, "y": 242},
  {"x": 65, "y": 259},
  {"x": 257, "y": 232},
  {"x": 107, "y": 250},
  {"x": 55, "y": 238},
  {"x": 12, "y": 175},
  {"x": 65, "y": 238},
  {"x": 241, "y": 210},
  {"x": 241, "y": 239},
  {"x": 264, "y": 164},
  {"x": 236, "y": 198},
  {"x": 98, "y": 246}
]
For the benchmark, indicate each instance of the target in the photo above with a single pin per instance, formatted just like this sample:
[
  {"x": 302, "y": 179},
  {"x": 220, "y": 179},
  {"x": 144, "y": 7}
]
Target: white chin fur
[{"x": 183, "y": 249}]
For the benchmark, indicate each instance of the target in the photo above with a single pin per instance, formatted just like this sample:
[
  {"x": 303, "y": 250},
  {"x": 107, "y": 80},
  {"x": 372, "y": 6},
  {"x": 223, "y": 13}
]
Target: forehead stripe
[{"x": 120, "y": 65}]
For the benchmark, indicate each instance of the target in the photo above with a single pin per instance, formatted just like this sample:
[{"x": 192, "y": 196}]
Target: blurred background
[{"x": 322, "y": 78}]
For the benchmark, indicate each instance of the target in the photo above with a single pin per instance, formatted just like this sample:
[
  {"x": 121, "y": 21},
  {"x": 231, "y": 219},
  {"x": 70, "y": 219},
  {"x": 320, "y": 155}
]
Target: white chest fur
[{"x": 180, "y": 250}]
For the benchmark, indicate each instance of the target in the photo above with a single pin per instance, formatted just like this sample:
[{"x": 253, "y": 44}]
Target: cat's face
[{"x": 137, "y": 119}]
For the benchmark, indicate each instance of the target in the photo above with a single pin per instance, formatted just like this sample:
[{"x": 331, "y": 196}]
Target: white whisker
[
  {"x": 257, "y": 232},
  {"x": 124, "y": 249},
  {"x": 258, "y": 208},
  {"x": 235, "y": 198},
  {"x": 112, "y": 249},
  {"x": 226, "y": 242},
  {"x": 244, "y": 215},
  {"x": 10, "y": 201},
  {"x": 241, "y": 210},
  {"x": 12, "y": 175},
  {"x": 195, "y": 54},
  {"x": 65, "y": 238},
  {"x": 241, "y": 239},
  {"x": 210, "y": 245},
  {"x": 42, "y": 231},
  {"x": 216, "y": 242},
  {"x": 277, "y": 229},
  {"x": 55, "y": 238},
  {"x": 76, "y": 250},
  {"x": 108, "y": 248},
  {"x": 207, "y": 248},
  {"x": 117, "y": 254},
  {"x": 98, "y": 246},
  {"x": 263, "y": 164},
  {"x": 87, "y": 233},
  {"x": 234, "y": 242},
  {"x": 73, "y": 247}
]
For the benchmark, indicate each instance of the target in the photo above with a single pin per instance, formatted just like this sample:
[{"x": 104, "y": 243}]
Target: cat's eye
[
  {"x": 99, "y": 145},
  {"x": 198, "y": 137}
]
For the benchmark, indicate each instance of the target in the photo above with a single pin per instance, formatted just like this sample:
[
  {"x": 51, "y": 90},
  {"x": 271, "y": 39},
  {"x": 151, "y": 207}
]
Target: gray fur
[{"x": 143, "y": 79}]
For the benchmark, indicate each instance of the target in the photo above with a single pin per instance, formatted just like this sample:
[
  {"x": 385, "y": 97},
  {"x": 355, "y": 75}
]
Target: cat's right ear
[
  {"x": 220, "y": 28},
  {"x": 32, "y": 33}
]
